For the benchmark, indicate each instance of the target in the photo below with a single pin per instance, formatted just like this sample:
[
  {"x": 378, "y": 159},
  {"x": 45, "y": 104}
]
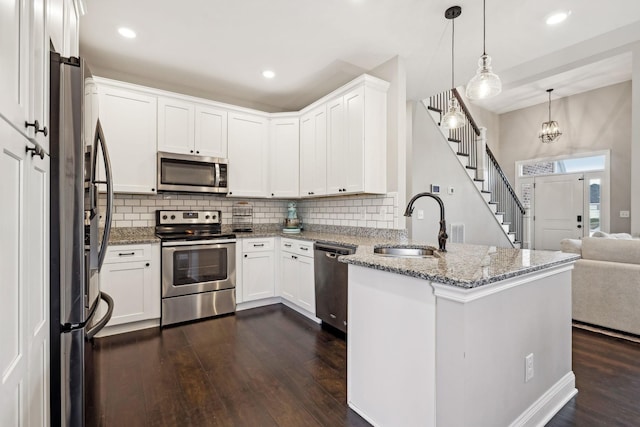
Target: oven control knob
[
  {"x": 173, "y": 217},
  {"x": 164, "y": 217}
]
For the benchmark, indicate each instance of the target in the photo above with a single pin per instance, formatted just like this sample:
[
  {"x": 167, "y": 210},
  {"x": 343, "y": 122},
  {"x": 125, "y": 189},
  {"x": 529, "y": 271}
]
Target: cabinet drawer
[
  {"x": 300, "y": 247},
  {"x": 257, "y": 245},
  {"x": 128, "y": 253}
]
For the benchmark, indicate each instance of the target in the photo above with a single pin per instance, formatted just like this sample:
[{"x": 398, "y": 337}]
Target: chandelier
[{"x": 550, "y": 131}]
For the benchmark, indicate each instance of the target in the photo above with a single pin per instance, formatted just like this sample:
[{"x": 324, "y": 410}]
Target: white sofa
[{"x": 606, "y": 282}]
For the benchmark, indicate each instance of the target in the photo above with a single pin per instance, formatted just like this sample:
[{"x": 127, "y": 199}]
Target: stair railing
[{"x": 494, "y": 179}]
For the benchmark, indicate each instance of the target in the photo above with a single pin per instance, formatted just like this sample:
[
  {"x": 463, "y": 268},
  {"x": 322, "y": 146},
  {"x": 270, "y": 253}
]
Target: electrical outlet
[
  {"x": 624, "y": 214},
  {"x": 420, "y": 214},
  {"x": 451, "y": 190},
  {"x": 528, "y": 368}
]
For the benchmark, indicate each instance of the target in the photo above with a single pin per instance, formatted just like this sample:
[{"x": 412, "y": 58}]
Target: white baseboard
[
  {"x": 128, "y": 327},
  {"x": 257, "y": 303},
  {"x": 300, "y": 310},
  {"x": 543, "y": 409}
]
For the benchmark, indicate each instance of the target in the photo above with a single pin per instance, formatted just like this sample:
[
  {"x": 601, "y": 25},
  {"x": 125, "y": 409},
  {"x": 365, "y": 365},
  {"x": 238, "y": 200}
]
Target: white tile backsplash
[{"x": 376, "y": 211}]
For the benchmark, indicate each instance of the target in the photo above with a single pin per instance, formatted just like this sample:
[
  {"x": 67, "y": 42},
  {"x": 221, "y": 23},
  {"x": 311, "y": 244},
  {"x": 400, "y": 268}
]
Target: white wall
[
  {"x": 596, "y": 120},
  {"x": 635, "y": 144},
  {"x": 434, "y": 162}
]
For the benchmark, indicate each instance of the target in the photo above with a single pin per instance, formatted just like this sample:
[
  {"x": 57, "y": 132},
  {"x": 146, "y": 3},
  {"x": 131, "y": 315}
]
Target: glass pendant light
[
  {"x": 485, "y": 84},
  {"x": 550, "y": 131},
  {"x": 453, "y": 119}
]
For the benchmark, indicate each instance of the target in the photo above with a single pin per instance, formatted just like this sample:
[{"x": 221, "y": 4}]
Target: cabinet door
[
  {"x": 353, "y": 165},
  {"x": 39, "y": 72},
  {"x": 129, "y": 123},
  {"x": 336, "y": 159},
  {"x": 24, "y": 306},
  {"x": 71, "y": 30},
  {"x": 176, "y": 123},
  {"x": 258, "y": 279},
  {"x": 248, "y": 161},
  {"x": 306, "y": 284},
  {"x": 14, "y": 71},
  {"x": 289, "y": 277},
  {"x": 313, "y": 153},
  {"x": 284, "y": 146},
  {"x": 128, "y": 284},
  {"x": 211, "y": 131}
]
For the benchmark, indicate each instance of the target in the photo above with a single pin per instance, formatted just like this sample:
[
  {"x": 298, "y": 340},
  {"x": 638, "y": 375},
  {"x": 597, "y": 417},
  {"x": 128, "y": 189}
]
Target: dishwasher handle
[
  {"x": 331, "y": 255},
  {"x": 334, "y": 249}
]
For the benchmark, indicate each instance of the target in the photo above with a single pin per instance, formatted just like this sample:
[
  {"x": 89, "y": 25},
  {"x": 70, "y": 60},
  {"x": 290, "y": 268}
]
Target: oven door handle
[{"x": 199, "y": 243}]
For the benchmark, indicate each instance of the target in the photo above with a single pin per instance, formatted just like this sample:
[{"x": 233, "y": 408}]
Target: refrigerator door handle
[
  {"x": 99, "y": 138},
  {"x": 105, "y": 319}
]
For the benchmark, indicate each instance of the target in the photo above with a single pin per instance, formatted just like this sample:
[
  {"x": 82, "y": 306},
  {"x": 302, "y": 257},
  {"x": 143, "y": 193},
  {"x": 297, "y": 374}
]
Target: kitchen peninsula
[{"x": 476, "y": 336}]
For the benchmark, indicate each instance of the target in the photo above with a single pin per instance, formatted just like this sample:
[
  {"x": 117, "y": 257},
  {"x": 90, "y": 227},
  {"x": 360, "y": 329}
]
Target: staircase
[{"x": 469, "y": 144}]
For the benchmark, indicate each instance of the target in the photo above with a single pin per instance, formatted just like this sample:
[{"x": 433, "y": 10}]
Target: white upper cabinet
[
  {"x": 248, "y": 155},
  {"x": 185, "y": 127},
  {"x": 63, "y": 24},
  {"x": 284, "y": 143},
  {"x": 357, "y": 140},
  {"x": 176, "y": 123},
  {"x": 211, "y": 131},
  {"x": 313, "y": 152},
  {"x": 129, "y": 121},
  {"x": 24, "y": 59}
]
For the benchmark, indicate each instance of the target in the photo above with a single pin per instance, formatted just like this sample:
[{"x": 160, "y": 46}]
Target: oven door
[{"x": 195, "y": 267}]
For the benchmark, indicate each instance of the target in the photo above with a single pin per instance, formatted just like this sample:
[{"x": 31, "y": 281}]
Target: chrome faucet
[{"x": 442, "y": 234}]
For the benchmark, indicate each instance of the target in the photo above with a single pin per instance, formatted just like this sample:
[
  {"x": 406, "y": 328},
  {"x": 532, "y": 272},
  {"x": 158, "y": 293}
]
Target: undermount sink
[{"x": 404, "y": 252}]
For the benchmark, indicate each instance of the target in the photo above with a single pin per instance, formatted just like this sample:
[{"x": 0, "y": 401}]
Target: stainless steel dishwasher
[{"x": 331, "y": 279}]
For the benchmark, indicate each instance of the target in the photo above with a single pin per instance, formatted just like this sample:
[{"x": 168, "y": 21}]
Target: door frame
[{"x": 605, "y": 187}]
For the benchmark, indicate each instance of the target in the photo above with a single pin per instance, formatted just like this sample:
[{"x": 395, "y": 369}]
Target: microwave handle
[{"x": 217, "y": 179}]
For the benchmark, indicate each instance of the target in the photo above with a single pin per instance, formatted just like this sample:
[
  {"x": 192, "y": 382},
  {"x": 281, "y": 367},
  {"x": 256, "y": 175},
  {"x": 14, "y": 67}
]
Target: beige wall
[{"x": 596, "y": 120}]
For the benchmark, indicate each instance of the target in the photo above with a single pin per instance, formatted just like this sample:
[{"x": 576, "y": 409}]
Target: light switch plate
[
  {"x": 624, "y": 214},
  {"x": 435, "y": 188}
]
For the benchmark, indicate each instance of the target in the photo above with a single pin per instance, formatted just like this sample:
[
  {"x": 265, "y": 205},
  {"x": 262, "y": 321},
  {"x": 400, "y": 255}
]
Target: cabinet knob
[
  {"x": 147, "y": 265},
  {"x": 272, "y": 194},
  {"x": 245, "y": 255},
  {"x": 36, "y": 151},
  {"x": 36, "y": 126},
  {"x": 197, "y": 152},
  {"x": 153, "y": 189},
  {"x": 191, "y": 151}
]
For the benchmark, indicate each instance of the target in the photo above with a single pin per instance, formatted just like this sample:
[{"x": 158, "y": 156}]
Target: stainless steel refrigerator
[{"x": 78, "y": 247}]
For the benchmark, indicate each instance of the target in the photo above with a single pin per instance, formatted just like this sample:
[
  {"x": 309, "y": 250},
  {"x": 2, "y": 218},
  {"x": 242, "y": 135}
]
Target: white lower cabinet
[
  {"x": 131, "y": 276},
  {"x": 296, "y": 273},
  {"x": 258, "y": 268}
]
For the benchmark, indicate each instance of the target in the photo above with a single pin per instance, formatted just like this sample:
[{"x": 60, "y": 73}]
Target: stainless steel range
[{"x": 198, "y": 266}]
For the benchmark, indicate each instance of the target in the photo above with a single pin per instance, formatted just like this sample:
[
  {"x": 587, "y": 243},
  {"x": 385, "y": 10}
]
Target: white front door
[{"x": 558, "y": 209}]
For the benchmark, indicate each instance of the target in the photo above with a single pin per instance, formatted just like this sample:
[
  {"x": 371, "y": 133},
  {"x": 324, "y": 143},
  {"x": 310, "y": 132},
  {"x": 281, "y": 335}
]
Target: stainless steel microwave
[{"x": 184, "y": 173}]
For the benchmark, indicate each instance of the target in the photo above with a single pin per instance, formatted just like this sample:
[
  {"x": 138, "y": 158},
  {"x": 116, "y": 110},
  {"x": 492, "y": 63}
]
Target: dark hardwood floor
[{"x": 272, "y": 367}]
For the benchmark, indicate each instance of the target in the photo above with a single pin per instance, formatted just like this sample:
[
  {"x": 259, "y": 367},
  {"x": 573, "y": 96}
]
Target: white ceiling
[{"x": 218, "y": 48}]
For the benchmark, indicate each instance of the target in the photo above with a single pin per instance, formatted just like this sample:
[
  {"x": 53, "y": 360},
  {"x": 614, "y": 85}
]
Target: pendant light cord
[
  {"x": 453, "y": 36},
  {"x": 550, "y": 105},
  {"x": 484, "y": 27}
]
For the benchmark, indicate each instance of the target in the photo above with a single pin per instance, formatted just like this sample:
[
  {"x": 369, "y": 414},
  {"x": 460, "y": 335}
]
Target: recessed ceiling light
[
  {"x": 557, "y": 17},
  {"x": 127, "y": 32},
  {"x": 268, "y": 74}
]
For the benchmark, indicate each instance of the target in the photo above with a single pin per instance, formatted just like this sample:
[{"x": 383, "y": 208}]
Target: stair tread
[
  {"x": 462, "y": 154},
  {"x": 493, "y": 203},
  {"x": 485, "y": 191},
  {"x": 499, "y": 213},
  {"x": 478, "y": 179},
  {"x": 471, "y": 167},
  {"x": 506, "y": 223},
  {"x": 453, "y": 140},
  {"x": 437, "y": 110}
]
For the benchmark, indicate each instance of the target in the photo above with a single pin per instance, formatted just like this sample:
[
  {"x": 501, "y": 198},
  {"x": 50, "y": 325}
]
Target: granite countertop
[
  {"x": 463, "y": 265},
  {"x": 132, "y": 235}
]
